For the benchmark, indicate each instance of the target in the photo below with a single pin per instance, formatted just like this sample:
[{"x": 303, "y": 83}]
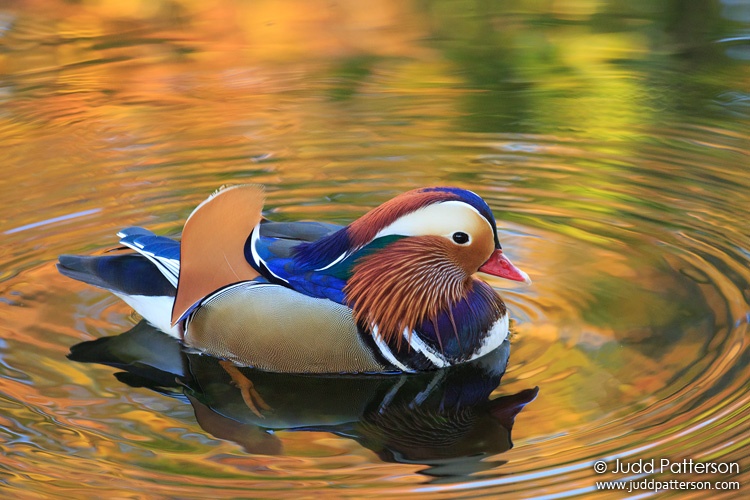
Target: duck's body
[{"x": 393, "y": 291}]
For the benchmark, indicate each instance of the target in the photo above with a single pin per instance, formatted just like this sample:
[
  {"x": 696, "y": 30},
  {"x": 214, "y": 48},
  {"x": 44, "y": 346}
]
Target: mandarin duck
[{"x": 391, "y": 292}]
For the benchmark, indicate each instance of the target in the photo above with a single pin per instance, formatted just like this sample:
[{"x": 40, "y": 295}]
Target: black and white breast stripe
[{"x": 416, "y": 355}]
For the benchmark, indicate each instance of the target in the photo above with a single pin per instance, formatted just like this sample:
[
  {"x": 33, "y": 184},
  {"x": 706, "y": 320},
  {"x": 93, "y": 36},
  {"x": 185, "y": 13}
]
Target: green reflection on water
[{"x": 559, "y": 71}]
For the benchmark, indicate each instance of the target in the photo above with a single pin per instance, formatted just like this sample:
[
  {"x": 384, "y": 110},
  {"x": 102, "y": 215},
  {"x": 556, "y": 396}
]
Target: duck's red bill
[{"x": 499, "y": 265}]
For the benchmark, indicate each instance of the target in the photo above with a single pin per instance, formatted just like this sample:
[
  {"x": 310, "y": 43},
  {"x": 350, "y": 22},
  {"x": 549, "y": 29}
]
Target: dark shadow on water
[{"x": 442, "y": 419}]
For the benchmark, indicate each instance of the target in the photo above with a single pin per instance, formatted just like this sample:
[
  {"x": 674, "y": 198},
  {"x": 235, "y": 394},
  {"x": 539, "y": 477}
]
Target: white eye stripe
[
  {"x": 442, "y": 219},
  {"x": 473, "y": 210}
]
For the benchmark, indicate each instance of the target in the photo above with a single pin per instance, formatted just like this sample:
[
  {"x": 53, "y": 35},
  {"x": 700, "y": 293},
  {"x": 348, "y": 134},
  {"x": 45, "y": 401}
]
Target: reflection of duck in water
[
  {"x": 442, "y": 418},
  {"x": 393, "y": 291}
]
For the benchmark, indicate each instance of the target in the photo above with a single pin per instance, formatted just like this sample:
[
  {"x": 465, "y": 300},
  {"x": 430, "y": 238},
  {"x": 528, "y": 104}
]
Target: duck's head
[
  {"x": 414, "y": 256},
  {"x": 453, "y": 222}
]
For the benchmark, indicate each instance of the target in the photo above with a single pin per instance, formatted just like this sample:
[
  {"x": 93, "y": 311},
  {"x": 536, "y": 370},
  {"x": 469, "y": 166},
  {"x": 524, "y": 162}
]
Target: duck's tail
[
  {"x": 165, "y": 279},
  {"x": 130, "y": 274},
  {"x": 132, "y": 277}
]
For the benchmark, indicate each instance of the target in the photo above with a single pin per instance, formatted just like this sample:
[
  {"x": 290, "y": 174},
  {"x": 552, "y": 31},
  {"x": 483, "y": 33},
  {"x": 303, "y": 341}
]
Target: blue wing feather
[
  {"x": 274, "y": 252},
  {"x": 163, "y": 252},
  {"x": 282, "y": 262}
]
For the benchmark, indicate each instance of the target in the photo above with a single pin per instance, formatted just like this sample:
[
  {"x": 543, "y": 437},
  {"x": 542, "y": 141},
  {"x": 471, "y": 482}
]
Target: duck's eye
[{"x": 460, "y": 238}]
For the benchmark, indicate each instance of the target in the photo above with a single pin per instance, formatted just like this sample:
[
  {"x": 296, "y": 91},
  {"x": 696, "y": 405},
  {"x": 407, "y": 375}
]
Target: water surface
[{"x": 609, "y": 138}]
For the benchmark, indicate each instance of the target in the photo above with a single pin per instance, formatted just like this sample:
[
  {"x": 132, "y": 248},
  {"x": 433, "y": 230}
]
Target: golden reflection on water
[{"x": 600, "y": 135}]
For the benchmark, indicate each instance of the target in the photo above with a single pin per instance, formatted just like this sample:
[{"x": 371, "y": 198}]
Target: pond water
[{"x": 610, "y": 138}]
